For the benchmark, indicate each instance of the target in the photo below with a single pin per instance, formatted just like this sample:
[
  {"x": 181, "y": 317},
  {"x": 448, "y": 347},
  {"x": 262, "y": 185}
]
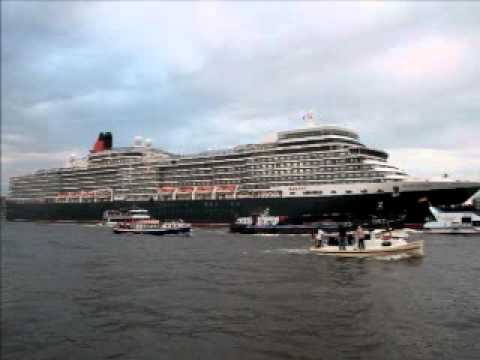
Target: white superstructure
[{"x": 316, "y": 161}]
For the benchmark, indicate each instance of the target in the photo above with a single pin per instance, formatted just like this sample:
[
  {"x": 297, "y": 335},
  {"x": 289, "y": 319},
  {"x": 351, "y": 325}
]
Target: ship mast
[{"x": 309, "y": 119}]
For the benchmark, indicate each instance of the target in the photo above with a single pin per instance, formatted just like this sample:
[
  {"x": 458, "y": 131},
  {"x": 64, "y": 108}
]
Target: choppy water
[{"x": 77, "y": 292}]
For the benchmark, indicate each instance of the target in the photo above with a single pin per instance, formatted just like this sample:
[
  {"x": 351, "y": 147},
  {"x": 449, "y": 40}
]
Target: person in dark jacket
[{"x": 342, "y": 234}]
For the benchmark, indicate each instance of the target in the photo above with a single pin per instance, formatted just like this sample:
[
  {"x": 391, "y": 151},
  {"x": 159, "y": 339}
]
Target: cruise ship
[{"x": 318, "y": 171}]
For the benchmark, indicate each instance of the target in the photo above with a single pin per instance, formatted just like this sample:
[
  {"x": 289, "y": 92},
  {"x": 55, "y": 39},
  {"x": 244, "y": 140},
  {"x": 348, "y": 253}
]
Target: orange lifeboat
[
  {"x": 204, "y": 189},
  {"x": 226, "y": 188},
  {"x": 167, "y": 189},
  {"x": 185, "y": 189}
]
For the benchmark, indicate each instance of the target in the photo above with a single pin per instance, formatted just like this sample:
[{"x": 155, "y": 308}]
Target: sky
[{"x": 211, "y": 75}]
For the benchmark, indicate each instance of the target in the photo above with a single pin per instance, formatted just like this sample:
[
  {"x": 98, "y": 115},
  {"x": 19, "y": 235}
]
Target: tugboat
[
  {"x": 264, "y": 223},
  {"x": 153, "y": 227}
]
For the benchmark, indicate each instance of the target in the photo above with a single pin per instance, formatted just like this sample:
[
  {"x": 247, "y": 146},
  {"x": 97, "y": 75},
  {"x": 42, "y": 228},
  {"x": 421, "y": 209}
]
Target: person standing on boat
[
  {"x": 342, "y": 234},
  {"x": 360, "y": 238},
  {"x": 319, "y": 238}
]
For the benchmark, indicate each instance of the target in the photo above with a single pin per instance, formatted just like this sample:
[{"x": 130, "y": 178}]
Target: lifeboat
[
  {"x": 226, "y": 188},
  {"x": 204, "y": 189},
  {"x": 186, "y": 189},
  {"x": 167, "y": 189}
]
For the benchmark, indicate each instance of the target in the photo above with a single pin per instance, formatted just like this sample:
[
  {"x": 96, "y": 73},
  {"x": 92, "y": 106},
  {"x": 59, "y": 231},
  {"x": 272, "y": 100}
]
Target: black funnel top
[{"x": 108, "y": 140}]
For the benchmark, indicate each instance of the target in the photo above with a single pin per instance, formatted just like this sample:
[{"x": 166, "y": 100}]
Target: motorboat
[
  {"x": 453, "y": 222},
  {"x": 113, "y": 217},
  {"x": 379, "y": 242},
  {"x": 153, "y": 227}
]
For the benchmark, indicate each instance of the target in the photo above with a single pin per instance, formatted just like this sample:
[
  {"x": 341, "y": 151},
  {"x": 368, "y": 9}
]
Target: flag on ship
[{"x": 308, "y": 117}]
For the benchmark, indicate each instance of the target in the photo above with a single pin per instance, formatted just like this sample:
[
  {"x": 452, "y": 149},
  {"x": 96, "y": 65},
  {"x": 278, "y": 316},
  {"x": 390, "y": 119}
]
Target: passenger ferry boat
[
  {"x": 317, "y": 171},
  {"x": 153, "y": 227}
]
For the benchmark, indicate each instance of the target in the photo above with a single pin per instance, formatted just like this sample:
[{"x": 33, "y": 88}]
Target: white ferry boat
[{"x": 153, "y": 227}]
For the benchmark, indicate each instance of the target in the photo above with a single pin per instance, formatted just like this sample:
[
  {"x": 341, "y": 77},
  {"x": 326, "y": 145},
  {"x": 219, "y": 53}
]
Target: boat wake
[
  {"x": 288, "y": 251},
  {"x": 282, "y": 235},
  {"x": 395, "y": 257}
]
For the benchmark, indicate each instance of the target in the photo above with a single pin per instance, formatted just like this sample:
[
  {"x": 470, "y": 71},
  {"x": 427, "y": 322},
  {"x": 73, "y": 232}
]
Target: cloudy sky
[{"x": 194, "y": 76}]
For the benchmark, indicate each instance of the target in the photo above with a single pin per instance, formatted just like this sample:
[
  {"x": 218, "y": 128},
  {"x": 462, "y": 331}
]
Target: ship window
[
  {"x": 364, "y": 191},
  {"x": 380, "y": 190},
  {"x": 348, "y": 191},
  {"x": 333, "y": 192}
]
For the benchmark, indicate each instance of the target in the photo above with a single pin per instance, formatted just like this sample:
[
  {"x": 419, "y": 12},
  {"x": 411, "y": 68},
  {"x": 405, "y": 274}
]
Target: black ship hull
[{"x": 412, "y": 205}]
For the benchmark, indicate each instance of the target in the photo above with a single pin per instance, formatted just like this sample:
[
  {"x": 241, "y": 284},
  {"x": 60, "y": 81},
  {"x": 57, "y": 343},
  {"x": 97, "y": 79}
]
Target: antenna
[{"x": 147, "y": 143}]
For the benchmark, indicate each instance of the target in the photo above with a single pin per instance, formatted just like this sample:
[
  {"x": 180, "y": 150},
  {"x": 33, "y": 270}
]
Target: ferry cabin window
[{"x": 476, "y": 223}]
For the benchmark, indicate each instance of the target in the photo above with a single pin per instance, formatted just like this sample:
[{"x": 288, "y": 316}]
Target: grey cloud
[{"x": 66, "y": 76}]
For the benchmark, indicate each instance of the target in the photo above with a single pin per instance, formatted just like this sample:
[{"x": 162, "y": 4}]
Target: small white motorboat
[{"x": 379, "y": 243}]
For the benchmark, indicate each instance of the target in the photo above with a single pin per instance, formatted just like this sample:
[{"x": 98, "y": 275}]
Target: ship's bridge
[
  {"x": 318, "y": 134},
  {"x": 320, "y": 131},
  {"x": 369, "y": 152}
]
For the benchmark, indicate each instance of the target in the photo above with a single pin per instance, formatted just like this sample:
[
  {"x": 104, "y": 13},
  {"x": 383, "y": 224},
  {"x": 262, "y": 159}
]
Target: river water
[{"x": 73, "y": 291}]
